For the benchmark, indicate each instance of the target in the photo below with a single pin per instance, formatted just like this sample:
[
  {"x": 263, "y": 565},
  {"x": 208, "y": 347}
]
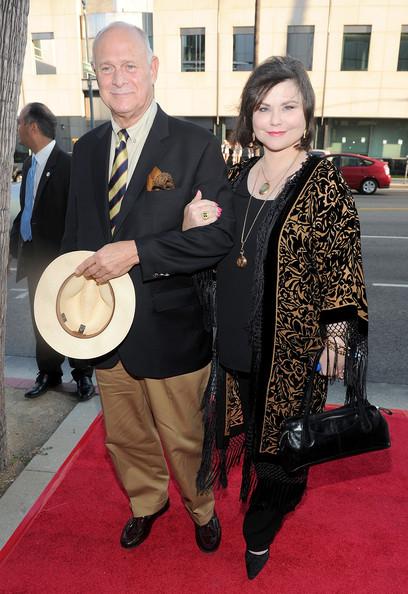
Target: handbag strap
[
  {"x": 309, "y": 389},
  {"x": 310, "y": 383}
]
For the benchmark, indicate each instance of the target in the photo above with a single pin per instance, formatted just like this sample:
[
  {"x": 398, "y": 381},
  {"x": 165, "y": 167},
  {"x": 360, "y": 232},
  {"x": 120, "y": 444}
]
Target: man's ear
[
  {"x": 33, "y": 127},
  {"x": 154, "y": 68}
]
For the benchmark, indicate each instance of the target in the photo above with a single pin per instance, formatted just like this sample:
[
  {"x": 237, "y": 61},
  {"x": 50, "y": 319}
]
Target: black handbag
[{"x": 344, "y": 431}]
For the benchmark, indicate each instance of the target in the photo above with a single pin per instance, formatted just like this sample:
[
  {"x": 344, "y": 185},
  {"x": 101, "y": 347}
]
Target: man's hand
[
  {"x": 111, "y": 261},
  {"x": 200, "y": 212}
]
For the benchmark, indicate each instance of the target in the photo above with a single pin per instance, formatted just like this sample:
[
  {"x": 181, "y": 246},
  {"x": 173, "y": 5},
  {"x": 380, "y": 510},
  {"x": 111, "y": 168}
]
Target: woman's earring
[
  {"x": 253, "y": 136},
  {"x": 304, "y": 133}
]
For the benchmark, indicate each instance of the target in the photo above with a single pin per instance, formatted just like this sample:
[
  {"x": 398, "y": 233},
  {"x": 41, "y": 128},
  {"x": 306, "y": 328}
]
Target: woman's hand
[
  {"x": 200, "y": 212},
  {"x": 333, "y": 359}
]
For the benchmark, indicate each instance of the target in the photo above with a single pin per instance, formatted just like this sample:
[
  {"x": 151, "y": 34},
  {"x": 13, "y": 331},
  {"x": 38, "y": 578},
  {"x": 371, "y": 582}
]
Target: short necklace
[{"x": 241, "y": 260}]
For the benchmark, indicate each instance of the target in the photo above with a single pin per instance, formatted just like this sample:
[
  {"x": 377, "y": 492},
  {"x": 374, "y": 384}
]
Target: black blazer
[
  {"x": 167, "y": 337},
  {"x": 48, "y": 218}
]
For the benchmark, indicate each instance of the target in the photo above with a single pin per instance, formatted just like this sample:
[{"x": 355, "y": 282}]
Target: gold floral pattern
[
  {"x": 313, "y": 276},
  {"x": 233, "y": 417}
]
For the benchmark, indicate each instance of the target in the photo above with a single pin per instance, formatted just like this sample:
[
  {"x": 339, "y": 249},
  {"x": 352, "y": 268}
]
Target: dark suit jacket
[
  {"x": 167, "y": 337},
  {"x": 48, "y": 218}
]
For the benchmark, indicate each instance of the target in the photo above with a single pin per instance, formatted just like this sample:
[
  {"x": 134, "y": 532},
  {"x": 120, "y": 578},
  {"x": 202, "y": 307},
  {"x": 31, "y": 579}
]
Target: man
[
  {"x": 36, "y": 234},
  {"x": 152, "y": 384}
]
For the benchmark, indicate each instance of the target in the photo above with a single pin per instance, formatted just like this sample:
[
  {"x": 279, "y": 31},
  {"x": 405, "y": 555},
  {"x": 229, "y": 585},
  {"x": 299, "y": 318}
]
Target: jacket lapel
[
  {"x": 48, "y": 171},
  {"x": 150, "y": 156},
  {"x": 100, "y": 167}
]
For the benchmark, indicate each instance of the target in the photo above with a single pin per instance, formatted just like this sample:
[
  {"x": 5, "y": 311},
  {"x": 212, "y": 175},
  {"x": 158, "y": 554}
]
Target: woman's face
[{"x": 279, "y": 121}]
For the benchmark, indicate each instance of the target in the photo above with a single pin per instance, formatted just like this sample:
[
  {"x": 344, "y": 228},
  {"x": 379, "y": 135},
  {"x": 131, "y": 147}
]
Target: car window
[
  {"x": 335, "y": 160},
  {"x": 367, "y": 162},
  {"x": 347, "y": 161}
]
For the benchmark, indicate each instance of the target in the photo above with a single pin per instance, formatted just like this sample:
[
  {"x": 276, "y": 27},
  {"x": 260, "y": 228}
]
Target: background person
[
  {"x": 36, "y": 233},
  {"x": 237, "y": 153},
  {"x": 151, "y": 386},
  {"x": 292, "y": 283},
  {"x": 225, "y": 149},
  {"x": 250, "y": 150}
]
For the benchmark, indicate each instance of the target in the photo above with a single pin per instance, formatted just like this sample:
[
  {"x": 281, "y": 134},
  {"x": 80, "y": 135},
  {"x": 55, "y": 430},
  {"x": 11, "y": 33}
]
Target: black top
[{"x": 234, "y": 285}]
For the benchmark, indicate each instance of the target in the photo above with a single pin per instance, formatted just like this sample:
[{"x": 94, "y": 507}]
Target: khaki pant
[{"x": 143, "y": 416}]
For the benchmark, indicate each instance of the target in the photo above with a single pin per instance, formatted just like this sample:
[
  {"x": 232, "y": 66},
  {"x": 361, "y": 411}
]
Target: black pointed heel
[{"x": 255, "y": 563}]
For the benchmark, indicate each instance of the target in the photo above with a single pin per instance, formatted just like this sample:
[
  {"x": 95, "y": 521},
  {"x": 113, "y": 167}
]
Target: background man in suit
[
  {"x": 37, "y": 231},
  {"x": 152, "y": 384}
]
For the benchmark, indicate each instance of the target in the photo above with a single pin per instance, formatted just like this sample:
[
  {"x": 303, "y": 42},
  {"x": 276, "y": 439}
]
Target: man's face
[
  {"x": 125, "y": 77},
  {"x": 22, "y": 129}
]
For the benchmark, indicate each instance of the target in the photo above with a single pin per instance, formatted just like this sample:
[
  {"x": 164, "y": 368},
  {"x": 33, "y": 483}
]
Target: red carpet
[{"x": 348, "y": 535}]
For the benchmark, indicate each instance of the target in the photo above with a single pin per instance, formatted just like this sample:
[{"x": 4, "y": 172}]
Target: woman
[{"x": 292, "y": 283}]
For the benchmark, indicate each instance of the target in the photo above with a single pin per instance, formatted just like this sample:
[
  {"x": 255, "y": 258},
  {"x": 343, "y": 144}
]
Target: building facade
[{"x": 356, "y": 52}]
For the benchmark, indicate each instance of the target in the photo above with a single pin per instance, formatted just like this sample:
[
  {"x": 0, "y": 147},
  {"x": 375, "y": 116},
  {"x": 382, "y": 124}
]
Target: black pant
[
  {"x": 260, "y": 526},
  {"x": 261, "y": 521},
  {"x": 48, "y": 360}
]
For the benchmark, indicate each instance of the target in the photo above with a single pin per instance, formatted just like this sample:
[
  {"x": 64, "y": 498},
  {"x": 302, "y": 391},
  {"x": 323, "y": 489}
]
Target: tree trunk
[{"x": 13, "y": 38}]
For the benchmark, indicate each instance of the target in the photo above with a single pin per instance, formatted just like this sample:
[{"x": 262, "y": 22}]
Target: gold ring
[{"x": 205, "y": 215}]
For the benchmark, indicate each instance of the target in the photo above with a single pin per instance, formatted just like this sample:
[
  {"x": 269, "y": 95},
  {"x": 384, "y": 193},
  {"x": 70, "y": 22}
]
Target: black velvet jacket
[{"x": 308, "y": 276}]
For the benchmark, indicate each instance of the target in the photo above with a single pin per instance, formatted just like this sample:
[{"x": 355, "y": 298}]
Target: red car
[{"x": 363, "y": 174}]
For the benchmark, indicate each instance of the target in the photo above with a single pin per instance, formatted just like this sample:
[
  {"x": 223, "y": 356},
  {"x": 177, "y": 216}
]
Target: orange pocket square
[{"x": 159, "y": 181}]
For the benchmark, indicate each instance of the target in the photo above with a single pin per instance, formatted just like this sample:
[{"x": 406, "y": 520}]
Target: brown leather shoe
[
  {"x": 208, "y": 537},
  {"x": 138, "y": 529}
]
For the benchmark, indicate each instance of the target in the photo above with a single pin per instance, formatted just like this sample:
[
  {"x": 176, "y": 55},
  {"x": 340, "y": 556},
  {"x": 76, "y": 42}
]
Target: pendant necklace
[
  {"x": 265, "y": 186},
  {"x": 241, "y": 260}
]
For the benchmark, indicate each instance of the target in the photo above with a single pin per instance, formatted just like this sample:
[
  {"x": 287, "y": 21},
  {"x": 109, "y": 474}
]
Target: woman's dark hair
[
  {"x": 267, "y": 75},
  {"x": 43, "y": 117}
]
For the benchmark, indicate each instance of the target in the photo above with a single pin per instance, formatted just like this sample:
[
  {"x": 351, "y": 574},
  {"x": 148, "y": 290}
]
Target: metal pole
[
  {"x": 325, "y": 63},
  {"x": 256, "y": 31},
  {"x": 90, "y": 91}
]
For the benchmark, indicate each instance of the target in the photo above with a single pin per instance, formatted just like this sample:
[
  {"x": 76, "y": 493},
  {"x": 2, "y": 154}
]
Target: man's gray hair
[{"x": 142, "y": 34}]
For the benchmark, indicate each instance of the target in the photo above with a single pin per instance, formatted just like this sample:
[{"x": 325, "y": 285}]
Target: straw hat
[{"x": 79, "y": 317}]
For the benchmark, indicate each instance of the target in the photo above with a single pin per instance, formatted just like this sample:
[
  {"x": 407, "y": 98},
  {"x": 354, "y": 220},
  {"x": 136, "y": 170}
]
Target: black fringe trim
[
  {"x": 206, "y": 476},
  {"x": 276, "y": 489},
  {"x": 216, "y": 462},
  {"x": 204, "y": 283}
]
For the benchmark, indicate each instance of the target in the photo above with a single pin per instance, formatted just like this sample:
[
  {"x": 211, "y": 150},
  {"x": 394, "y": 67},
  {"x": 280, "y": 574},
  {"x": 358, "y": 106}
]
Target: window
[
  {"x": 147, "y": 20},
  {"x": 44, "y": 53},
  {"x": 243, "y": 48},
  {"x": 351, "y": 162},
  {"x": 356, "y": 46},
  {"x": 403, "y": 50},
  {"x": 192, "y": 50},
  {"x": 300, "y": 44}
]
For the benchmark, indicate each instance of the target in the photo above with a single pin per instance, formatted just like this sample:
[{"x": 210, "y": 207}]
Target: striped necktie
[
  {"x": 25, "y": 225},
  {"x": 118, "y": 179}
]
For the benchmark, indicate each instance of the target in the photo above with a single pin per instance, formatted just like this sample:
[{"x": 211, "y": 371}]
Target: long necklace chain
[{"x": 241, "y": 260}]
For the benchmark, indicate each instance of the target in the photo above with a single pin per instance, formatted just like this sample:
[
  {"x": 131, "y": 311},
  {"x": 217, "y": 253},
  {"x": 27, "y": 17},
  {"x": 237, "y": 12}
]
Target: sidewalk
[
  {"x": 398, "y": 183},
  {"x": 28, "y": 486},
  {"x": 16, "y": 502}
]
